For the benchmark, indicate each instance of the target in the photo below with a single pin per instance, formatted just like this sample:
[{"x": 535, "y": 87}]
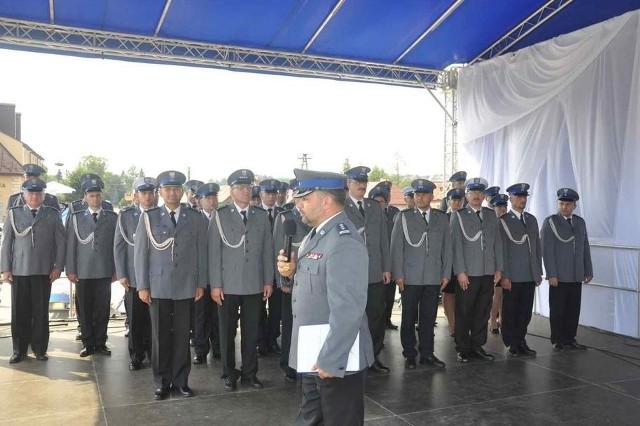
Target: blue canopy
[{"x": 346, "y": 36}]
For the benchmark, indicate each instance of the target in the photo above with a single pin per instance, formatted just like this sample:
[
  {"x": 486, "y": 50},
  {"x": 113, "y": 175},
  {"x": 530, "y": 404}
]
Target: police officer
[
  {"x": 90, "y": 265},
  {"x": 282, "y": 194},
  {"x": 370, "y": 222},
  {"x": 170, "y": 255},
  {"x": 33, "y": 171},
  {"x": 422, "y": 260},
  {"x": 241, "y": 272},
  {"x": 270, "y": 319},
  {"x": 330, "y": 287},
  {"x": 522, "y": 270},
  {"x": 407, "y": 192},
  {"x": 455, "y": 199},
  {"x": 457, "y": 181},
  {"x": 31, "y": 258},
  {"x": 478, "y": 264},
  {"x": 489, "y": 193},
  {"x": 123, "y": 252},
  {"x": 382, "y": 194},
  {"x": 206, "y": 336},
  {"x": 255, "y": 196},
  {"x": 192, "y": 191},
  {"x": 301, "y": 230},
  {"x": 567, "y": 262},
  {"x": 499, "y": 205}
]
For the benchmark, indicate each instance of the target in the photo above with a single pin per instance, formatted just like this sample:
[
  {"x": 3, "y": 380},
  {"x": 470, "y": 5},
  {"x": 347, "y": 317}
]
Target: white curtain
[{"x": 566, "y": 112}]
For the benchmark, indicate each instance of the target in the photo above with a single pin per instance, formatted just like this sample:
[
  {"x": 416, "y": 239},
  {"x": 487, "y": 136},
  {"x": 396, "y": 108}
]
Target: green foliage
[{"x": 346, "y": 165}]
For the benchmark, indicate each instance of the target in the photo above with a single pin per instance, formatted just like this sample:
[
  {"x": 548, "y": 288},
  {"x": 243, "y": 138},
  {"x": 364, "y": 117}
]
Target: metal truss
[
  {"x": 32, "y": 35},
  {"x": 450, "y": 134},
  {"x": 520, "y": 31}
]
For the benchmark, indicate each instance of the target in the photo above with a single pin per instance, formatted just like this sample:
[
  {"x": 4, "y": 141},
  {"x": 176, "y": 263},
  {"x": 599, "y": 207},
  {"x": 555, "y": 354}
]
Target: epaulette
[
  {"x": 222, "y": 207},
  {"x": 51, "y": 207},
  {"x": 437, "y": 211},
  {"x": 343, "y": 229},
  {"x": 107, "y": 201},
  {"x": 372, "y": 199},
  {"x": 153, "y": 208},
  {"x": 408, "y": 209},
  {"x": 390, "y": 207},
  {"x": 259, "y": 208},
  {"x": 16, "y": 207},
  {"x": 127, "y": 208},
  {"x": 79, "y": 211},
  {"x": 109, "y": 211}
]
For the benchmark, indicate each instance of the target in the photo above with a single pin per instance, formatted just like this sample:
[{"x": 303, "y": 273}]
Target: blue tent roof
[{"x": 407, "y": 33}]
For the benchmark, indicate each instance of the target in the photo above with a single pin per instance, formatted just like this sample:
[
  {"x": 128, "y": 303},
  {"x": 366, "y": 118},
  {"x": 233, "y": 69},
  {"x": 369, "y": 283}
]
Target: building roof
[{"x": 8, "y": 163}]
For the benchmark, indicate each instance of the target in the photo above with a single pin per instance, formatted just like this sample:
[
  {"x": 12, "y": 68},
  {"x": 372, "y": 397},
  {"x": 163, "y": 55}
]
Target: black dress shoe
[
  {"x": 253, "y": 382},
  {"x": 526, "y": 350},
  {"x": 575, "y": 345},
  {"x": 199, "y": 359},
  {"x": 86, "y": 351},
  {"x": 42, "y": 357},
  {"x": 135, "y": 365},
  {"x": 274, "y": 347},
  {"x": 482, "y": 354},
  {"x": 229, "y": 383},
  {"x": 290, "y": 375},
  {"x": 410, "y": 363},
  {"x": 79, "y": 335},
  {"x": 391, "y": 326},
  {"x": 126, "y": 332},
  {"x": 557, "y": 347},
  {"x": 381, "y": 366},
  {"x": 432, "y": 360},
  {"x": 161, "y": 393},
  {"x": 102, "y": 349},
  {"x": 16, "y": 358},
  {"x": 185, "y": 392},
  {"x": 261, "y": 350},
  {"x": 513, "y": 352},
  {"x": 463, "y": 356}
]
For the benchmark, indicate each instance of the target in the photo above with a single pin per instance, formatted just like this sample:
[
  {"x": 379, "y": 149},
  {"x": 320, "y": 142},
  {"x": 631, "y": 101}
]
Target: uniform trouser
[
  {"x": 274, "y": 317},
  {"x": 287, "y": 326},
  {"x": 336, "y": 401},
  {"x": 250, "y": 308},
  {"x": 389, "y": 300},
  {"x": 30, "y": 313},
  {"x": 564, "y": 311},
  {"x": 139, "y": 326},
  {"x": 473, "y": 307},
  {"x": 170, "y": 350},
  {"x": 375, "y": 315},
  {"x": 422, "y": 299},
  {"x": 517, "y": 307},
  {"x": 206, "y": 332},
  {"x": 94, "y": 297}
]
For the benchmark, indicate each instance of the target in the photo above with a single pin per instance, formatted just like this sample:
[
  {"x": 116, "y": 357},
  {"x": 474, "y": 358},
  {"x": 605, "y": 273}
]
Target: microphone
[{"x": 289, "y": 230}]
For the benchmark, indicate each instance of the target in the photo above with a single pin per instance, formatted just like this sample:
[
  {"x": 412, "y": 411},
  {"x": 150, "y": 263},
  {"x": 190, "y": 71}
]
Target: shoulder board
[
  {"x": 259, "y": 208},
  {"x": 343, "y": 229},
  {"x": 225, "y": 206},
  {"x": 285, "y": 213},
  {"x": 406, "y": 210},
  {"x": 579, "y": 217},
  {"x": 153, "y": 208},
  {"x": 15, "y": 207},
  {"x": 126, "y": 209},
  {"x": 51, "y": 207},
  {"x": 49, "y": 196},
  {"x": 107, "y": 202},
  {"x": 109, "y": 212},
  {"x": 437, "y": 211},
  {"x": 79, "y": 211},
  {"x": 371, "y": 199},
  {"x": 17, "y": 194},
  {"x": 393, "y": 208}
]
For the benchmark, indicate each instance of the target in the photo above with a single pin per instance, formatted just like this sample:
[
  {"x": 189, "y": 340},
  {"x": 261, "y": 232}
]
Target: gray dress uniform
[
  {"x": 421, "y": 254},
  {"x": 171, "y": 262},
  {"x": 523, "y": 266},
  {"x": 567, "y": 256},
  {"x": 90, "y": 257},
  {"x": 302, "y": 229},
  {"x": 373, "y": 228},
  {"x": 49, "y": 200},
  {"x": 477, "y": 251},
  {"x": 138, "y": 311},
  {"x": 31, "y": 249},
  {"x": 241, "y": 264}
]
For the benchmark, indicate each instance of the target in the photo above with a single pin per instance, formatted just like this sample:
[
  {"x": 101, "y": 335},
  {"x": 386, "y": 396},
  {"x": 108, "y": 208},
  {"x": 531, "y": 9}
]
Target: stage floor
[{"x": 598, "y": 386}]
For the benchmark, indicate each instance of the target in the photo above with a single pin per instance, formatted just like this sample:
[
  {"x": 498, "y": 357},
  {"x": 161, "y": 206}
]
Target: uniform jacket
[
  {"x": 432, "y": 260},
  {"x": 522, "y": 262},
  {"x": 39, "y": 251},
  {"x": 302, "y": 230},
  {"x": 480, "y": 257},
  {"x": 175, "y": 272},
  {"x": 126, "y": 225},
  {"x": 373, "y": 228},
  {"x": 49, "y": 200},
  {"x": 390, "y": 214},
  {"x": 566, "y": 261},
  {"x": 330, "y": 287},
  {"x": 247, "y": 268},
  {"x": 94, "y": 259}
]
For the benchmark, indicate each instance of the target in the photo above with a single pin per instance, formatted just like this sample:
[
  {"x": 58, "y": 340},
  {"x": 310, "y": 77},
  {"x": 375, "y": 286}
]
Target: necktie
[
  {"x": 361, "y": 208},
  {"x": 173, "y": 218},
  {"x": 270, "y": 211},
  {"x": 313, "y": 233},
  {"x": 479, "y": 217},
  {"x": 34, "y": 212},
  {"x": 95, "y": 217},
  {"x": 522, "y": 220},
  {"x": 424, "y": 215},
  {"x": 570, "y": 223},
  {"x": 244, "y": 216}
]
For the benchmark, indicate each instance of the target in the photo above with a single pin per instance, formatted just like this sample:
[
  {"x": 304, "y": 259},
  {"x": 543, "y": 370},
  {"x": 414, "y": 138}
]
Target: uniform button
[{"x": 294, "y": 315}]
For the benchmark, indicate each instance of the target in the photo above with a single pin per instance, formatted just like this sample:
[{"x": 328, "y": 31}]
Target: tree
[
  {"x": 378, "y": 174},
  {"x": 346, "y": 166}
]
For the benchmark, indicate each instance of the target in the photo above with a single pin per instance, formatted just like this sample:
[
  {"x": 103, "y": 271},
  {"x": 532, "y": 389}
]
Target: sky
[{"x": 207, "y": 122}]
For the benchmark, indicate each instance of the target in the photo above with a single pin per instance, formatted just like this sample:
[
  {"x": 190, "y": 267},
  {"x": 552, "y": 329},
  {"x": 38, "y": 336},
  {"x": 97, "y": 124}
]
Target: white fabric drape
[{"x": 566, "y": 112}]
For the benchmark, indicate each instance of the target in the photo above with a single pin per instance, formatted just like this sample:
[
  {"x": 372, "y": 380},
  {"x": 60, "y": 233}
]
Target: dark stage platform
[{"x": 598, "y": 386}]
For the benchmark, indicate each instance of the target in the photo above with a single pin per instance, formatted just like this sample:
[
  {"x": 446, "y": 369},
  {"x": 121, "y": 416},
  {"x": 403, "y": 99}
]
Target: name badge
[{"x": 314, "y": 256}]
